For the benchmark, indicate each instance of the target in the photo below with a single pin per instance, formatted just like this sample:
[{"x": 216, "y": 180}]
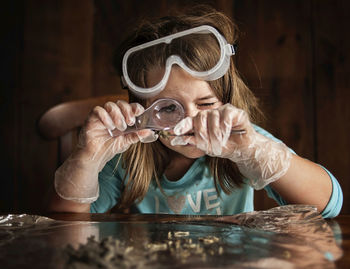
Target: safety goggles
[{"x": 184, "y": 49}]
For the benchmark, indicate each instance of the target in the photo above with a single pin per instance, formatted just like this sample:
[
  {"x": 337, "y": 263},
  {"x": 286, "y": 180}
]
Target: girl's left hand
[
  {"x": 212, "y": 131},
  {"x": 259, "y": 159}
]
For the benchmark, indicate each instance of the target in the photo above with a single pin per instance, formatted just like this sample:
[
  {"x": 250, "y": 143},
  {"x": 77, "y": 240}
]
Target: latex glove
[
  {"x": 77, "y": 178},
  {"x": 259, "y": 159}
]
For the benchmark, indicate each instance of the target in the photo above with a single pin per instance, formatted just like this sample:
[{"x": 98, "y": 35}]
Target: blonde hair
[{"x": 153, "y": 157}]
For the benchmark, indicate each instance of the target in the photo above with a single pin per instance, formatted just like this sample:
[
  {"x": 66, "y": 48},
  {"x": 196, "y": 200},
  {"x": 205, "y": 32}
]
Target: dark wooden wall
[{"x": 293, "y": 54}]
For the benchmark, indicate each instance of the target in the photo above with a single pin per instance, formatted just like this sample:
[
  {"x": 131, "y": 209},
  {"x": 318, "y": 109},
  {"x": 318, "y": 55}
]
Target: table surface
[
  {"x": 79, "y": 226},
  {"x": 343, "y": 221}
]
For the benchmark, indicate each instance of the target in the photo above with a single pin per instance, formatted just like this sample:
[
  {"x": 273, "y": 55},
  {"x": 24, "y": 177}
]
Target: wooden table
[
  {"x": 77, "y": 227},
  {"x": 344, "y": 223}
]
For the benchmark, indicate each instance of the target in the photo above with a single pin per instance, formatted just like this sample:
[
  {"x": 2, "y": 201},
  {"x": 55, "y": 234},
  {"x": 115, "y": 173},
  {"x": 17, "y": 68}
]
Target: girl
[{"x": 202, "y": 166}]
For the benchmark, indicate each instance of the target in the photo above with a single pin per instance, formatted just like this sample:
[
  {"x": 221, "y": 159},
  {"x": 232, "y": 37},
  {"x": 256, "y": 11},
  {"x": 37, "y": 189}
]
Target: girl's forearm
[
  {"x": 304, "y": 183},
  {"x": 56, "y": 204}
]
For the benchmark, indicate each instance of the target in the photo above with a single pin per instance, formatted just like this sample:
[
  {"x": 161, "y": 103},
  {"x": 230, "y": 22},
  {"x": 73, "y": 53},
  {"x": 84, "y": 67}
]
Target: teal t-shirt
[{"x": 194, "y": 193}]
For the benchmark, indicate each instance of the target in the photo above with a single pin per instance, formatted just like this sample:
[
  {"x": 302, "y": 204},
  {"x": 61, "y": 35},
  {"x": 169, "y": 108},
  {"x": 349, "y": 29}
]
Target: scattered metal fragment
[
  {"x": 181, "y": 234},
  {"x": 114, "y": 253}
]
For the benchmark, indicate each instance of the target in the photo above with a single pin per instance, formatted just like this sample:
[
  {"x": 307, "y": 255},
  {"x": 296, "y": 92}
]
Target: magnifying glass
[{"x": 163, "y": 114}]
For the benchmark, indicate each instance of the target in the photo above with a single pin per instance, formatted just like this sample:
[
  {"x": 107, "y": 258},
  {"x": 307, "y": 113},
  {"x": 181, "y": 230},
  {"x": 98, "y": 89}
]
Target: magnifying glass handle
[{"x": 129, "y": 129}]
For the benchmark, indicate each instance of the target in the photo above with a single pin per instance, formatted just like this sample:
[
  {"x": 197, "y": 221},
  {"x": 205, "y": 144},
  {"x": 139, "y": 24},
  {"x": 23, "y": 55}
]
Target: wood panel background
[{"x": 293, "y": 54}]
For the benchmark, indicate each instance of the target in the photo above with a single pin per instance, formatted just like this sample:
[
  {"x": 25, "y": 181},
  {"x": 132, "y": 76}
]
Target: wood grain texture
[
  {"x": 57, "y": 56},
  {"x": 332, "y": 89},
  {"x": 11, "y": 42}
]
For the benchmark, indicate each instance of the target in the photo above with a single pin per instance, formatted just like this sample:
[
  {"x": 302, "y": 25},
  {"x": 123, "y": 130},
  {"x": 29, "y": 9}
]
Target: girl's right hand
[
  {"x": 77, "y": 178},
  {"x": 95, "y": 139}
]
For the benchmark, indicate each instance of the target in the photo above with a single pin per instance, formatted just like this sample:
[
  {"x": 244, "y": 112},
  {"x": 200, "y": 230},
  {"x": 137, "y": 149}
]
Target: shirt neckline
[{"x": 184, "y": 179}]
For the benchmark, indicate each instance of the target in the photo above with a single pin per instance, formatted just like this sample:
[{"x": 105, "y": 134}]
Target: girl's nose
[{"x": 191, "y": 111}]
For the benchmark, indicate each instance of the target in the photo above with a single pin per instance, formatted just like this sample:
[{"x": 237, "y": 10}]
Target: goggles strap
[
  {"x": 235, "y": 48},
  {"x": 230, "y": 49}
]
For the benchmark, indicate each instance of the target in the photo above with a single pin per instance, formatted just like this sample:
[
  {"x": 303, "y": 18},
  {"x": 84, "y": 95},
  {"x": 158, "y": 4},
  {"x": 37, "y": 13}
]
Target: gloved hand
[
  {"x": 259, "y": 159},
  {"x": 77, "y": 178}
]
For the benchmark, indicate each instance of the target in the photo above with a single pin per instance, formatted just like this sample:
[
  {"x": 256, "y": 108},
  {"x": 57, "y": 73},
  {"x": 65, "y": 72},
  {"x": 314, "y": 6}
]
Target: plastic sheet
[
  {"x": 292, "y": 236},
  {"x": 22, "y": 221}
]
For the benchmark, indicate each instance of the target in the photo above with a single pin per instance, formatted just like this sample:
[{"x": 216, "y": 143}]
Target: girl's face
[{"x": 195, "y": 95}]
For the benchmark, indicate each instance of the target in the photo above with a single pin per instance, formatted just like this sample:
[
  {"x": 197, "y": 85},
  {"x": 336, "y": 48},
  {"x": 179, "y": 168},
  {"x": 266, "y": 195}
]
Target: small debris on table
[{"x": 114, "y": 253}]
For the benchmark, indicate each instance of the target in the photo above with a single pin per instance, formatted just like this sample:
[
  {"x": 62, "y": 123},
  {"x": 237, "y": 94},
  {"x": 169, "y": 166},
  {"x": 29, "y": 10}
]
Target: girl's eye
[{"x": 206, "y": 104}]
